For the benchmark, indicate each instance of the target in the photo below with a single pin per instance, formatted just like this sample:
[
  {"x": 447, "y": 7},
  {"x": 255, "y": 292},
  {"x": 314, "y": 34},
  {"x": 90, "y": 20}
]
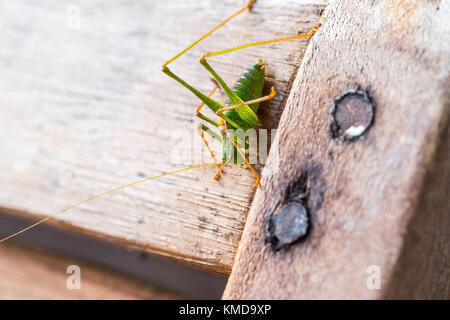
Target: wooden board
[
  {"x": 85, "y": 108},
  {"x": 187, "y": 282},
  {"x": 23, "y": 269},
  {"x": 376, "y": 204}
]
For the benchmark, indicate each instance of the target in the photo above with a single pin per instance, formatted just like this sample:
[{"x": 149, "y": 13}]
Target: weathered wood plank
[
  {"x": 370, "y": 201},
  {"x": 84, "y": 108},
  {"x": 422, "y": 270},
  {"x": 23, "y": 270}
]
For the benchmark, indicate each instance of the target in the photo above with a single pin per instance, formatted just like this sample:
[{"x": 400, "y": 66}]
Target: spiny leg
[
  {"x": 200, "y": 115},
  {"x": 258, "y": 177},
  {"x": 235, "y": 100},
  {"x": 253, "y": 44},
  {"x": 209, "y": 96},
  {"x": 217, "y": 176},
  {"x": 200, "y": 129},
  {"x": 265, "y": 98},
  {"x": 212, "y": 104},
  {"x": 248, "y": 6},
  {"x": 250, "y": 116},
  {"x": 215, "y": 106},
  {"x": 200, "y": 126},
  {"x": 217, "y": 53},
  {"x": 231, "y": 94},
  {"x": 222, "y": 83},
  {"x": 202, "y": 135}
]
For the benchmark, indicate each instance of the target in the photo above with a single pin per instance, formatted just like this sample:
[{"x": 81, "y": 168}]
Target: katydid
[{"x": 240, "y": 111}]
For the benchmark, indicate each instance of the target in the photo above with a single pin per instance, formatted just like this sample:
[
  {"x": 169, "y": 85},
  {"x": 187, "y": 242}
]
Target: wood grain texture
[
  {"x": 371, "y": 202},
  {"x": 422, "y": 270},
  {"x": 31, "y": 274},
  {"x": 85, "y": 108}
]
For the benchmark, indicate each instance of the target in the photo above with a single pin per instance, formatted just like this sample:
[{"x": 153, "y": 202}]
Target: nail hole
[
  {"x": 289, "y": 222},
  {"x": 351, "y": 115}
]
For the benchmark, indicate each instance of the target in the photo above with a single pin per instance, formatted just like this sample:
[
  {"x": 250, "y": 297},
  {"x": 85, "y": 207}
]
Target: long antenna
[{"x": 100, "y": 195}]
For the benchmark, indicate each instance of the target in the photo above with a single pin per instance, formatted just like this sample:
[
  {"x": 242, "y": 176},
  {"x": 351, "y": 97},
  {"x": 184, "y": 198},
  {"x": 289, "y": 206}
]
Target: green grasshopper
[{"x": 240, "y": 111}]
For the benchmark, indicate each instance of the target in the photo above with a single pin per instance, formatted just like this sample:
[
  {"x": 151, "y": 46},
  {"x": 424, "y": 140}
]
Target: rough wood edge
[{"x": 260, "y": 273}]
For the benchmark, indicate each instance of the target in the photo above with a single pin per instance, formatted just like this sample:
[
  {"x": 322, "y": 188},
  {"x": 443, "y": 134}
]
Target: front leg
[{"x": 212, "y": 104}]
